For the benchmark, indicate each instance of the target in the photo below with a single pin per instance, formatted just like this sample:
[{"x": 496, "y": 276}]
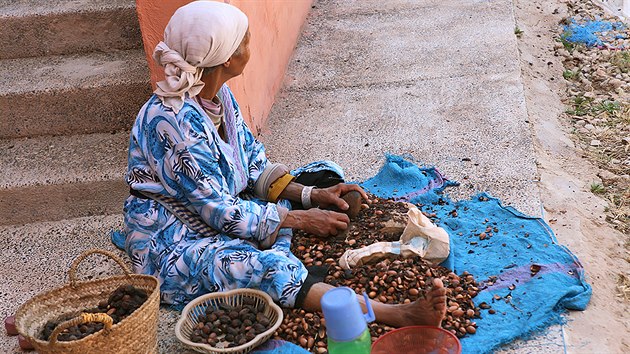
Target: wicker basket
[
  {"x": 197, "y": 307},
  {"x": 137, "y": 333}
]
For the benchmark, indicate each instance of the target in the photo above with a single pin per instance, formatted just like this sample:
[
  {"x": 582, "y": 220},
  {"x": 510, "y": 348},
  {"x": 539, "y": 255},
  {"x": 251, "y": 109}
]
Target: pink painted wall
[{"x": 275, "y": 27}]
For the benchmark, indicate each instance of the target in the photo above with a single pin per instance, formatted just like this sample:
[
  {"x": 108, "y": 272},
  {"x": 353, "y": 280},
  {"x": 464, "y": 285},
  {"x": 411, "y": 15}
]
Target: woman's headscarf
[{"x": 201, "y": 34}]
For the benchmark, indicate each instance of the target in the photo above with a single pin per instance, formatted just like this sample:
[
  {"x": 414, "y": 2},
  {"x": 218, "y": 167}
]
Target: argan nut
[
  {"x": 303, "y": 341},
  {"x": 24, "y": 343},
  {"x": 9, "y": 326},
  {"x": 321, "y": 333},
  {"x": 259, "y": 328},
  {"x": 353, "y": 198},
  {"x": 471, "y": 329}
]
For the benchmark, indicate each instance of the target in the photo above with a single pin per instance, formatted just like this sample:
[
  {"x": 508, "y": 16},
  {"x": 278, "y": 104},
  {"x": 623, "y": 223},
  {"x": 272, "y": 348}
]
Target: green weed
[
  {"x": 570, "y": 75},
  {"x": 621, "y": 60},
  {"x": 597, "y": 188},
  {"x": 518, "y": 32},
  {"x": 580, "y": 106},
  {"x": 609, "y": 107},
  {"x": 570, "y": 47}
]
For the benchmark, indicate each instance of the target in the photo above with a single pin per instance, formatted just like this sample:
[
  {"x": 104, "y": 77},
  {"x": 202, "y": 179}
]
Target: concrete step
[
  {"x": 56, "y": 178},
  {"x": 72, "y": 94},
  {"x": 32, "y": 28}
]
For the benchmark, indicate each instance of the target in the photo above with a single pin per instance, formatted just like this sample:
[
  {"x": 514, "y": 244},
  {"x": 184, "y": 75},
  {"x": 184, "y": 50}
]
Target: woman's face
[{"x": 239, "y": 60}]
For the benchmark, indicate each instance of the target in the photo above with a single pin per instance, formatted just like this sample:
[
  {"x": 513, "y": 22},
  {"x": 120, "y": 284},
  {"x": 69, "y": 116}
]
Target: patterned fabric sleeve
[
  {"x": 188, "y": 165},
  {"x": 257, "y": 156}
]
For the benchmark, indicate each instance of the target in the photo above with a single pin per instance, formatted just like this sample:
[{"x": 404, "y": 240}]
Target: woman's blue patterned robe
[{"x": 182, "y": 156}]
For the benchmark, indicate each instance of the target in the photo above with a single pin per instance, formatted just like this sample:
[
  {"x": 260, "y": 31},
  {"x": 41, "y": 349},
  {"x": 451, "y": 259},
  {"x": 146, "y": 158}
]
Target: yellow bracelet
[{"x": 278, "y": 186}]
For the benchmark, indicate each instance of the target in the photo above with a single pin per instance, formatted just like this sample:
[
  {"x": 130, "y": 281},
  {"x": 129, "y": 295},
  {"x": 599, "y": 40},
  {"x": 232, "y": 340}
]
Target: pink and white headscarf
[{"x": 199, "y": 35}]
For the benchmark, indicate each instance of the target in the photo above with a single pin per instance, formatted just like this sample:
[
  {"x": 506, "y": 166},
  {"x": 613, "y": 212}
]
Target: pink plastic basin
[{"x": 417, "y": 340}]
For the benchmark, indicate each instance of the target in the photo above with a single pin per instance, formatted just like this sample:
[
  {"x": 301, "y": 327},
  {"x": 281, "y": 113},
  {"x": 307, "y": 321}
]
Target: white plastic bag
[{"x": 420, "y": 238}]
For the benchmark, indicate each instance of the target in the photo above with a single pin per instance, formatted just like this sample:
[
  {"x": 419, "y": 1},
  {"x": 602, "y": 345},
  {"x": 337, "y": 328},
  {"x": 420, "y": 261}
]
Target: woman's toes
[{"x": 437, "y": 283}]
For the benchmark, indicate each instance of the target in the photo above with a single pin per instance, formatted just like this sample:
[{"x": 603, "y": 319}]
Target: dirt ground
[{"x": 576, "y": 215}]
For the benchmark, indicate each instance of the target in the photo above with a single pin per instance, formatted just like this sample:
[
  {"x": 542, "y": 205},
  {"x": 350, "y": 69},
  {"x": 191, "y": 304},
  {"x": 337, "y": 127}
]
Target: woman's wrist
[
  {"x": 292, "y": 192},
  {"x": 294, "y": 219},
  {"x": 315, "y": 197}
]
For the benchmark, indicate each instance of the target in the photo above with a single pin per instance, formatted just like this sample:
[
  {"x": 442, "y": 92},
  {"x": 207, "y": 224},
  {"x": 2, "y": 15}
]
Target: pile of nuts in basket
[
  {"x": 231, "y": 326},
  {"x": 120, "y": 304}
]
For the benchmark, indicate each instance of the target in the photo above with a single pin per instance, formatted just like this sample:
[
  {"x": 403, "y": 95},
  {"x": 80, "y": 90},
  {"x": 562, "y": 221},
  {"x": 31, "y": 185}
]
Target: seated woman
[{"x": 208, "y": 212}]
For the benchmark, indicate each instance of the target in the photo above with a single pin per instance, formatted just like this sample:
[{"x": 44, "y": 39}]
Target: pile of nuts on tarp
[{"x": 389, "y": 281}]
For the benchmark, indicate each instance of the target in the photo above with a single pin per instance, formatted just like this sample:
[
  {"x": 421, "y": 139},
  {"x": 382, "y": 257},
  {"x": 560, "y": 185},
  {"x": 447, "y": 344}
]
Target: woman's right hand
[{"x": 316, "y": 221}]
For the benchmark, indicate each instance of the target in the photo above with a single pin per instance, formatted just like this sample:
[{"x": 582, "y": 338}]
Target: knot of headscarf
[{"x": 199, "y": 35}]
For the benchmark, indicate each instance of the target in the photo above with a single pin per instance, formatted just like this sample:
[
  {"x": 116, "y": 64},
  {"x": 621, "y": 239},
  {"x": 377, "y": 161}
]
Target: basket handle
[
  {"x": 72, "y": 273},
  {"x": 79, "y": 320}
]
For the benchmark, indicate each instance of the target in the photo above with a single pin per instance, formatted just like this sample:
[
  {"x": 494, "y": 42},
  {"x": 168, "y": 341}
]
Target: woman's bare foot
[{"x": 428, "y": 311}]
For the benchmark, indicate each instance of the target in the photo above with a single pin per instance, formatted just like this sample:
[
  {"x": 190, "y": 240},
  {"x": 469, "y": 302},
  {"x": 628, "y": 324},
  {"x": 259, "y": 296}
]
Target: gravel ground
[{"x": 598, "y": 102}]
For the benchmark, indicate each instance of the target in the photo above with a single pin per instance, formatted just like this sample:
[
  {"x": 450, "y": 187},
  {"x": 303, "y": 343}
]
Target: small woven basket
[
  {"x": 137, "y": 333},
  {"x": 197, "y": 307}
]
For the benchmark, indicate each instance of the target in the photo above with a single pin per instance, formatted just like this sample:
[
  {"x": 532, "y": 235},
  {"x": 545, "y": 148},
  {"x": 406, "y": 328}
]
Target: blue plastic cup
[{"x": 345, "y": 320}]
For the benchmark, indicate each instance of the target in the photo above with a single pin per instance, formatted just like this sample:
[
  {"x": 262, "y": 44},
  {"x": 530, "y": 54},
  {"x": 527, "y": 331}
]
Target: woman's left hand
[{"x": 330, "y": 197}]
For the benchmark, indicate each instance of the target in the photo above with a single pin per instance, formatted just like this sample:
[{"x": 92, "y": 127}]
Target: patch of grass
[
  {"x": 518, "y": 32},
  {"x": 610, "y": 107},
  {"x": 597, "y": 188},
  {"x": 570, "y": 75},
  {"x": 577, "y": 111},
  {"x": 580, "y": 106},
  {"x": 621, "y": 59},
  {"x": 569, "y": 46}
]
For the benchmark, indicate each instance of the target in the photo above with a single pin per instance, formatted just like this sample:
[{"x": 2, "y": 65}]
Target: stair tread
[
  {"x": 40, "y": 74},
  {"x": 18, "y": 8},
  {"x": 63, "y": 159}
]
